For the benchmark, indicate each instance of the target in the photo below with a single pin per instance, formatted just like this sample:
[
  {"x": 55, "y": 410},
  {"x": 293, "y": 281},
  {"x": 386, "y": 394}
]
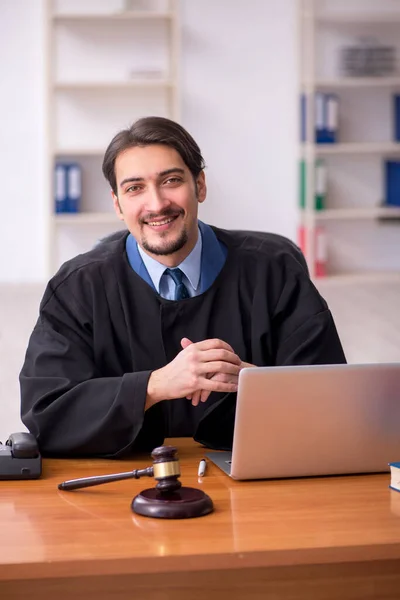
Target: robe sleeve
[
  {"x": 302, "y": 328},
  {"x": 67, "y": 404}
]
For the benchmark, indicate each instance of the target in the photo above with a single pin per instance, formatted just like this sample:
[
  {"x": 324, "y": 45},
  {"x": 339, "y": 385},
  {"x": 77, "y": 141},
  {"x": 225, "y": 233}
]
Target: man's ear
[
  {"x": 117, "y": 206},
  {"x": 201, "y": 187}
]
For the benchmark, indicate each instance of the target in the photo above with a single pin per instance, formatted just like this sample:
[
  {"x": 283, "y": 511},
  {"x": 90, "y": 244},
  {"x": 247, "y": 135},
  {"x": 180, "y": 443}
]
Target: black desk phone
[{"x": 20, "y": 457}]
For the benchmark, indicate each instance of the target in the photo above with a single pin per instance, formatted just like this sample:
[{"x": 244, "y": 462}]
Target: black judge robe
[{"x": 102, "y": 330}]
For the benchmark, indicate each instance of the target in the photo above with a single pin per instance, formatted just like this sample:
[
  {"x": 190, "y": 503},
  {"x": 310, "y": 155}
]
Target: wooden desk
[{"x": 300, "y": 539}]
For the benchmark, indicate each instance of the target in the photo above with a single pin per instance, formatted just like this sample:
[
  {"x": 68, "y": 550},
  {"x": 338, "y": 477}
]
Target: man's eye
[
  {"x": 173, "y": 180},
  {"x": 132, "y": 188}
]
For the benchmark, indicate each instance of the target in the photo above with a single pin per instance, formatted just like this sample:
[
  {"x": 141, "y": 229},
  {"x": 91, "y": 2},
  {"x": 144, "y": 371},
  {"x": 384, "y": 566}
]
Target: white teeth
[{"x": 158, "y": 223}]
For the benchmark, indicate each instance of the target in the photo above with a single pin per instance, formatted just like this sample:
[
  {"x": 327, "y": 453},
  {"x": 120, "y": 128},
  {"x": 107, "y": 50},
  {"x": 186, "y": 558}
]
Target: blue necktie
[{"x": 180, "y": 291}]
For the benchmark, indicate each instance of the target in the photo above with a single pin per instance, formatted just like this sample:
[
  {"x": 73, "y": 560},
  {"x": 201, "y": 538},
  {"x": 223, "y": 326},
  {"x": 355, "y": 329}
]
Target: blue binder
[
  {"x": 392, "y": 183},
  {"x": 60, "y": 188},
  {"x": 74, "y": 187},
  {"x": 320, "y": 118},
  {"x": 332, "y": 110}
]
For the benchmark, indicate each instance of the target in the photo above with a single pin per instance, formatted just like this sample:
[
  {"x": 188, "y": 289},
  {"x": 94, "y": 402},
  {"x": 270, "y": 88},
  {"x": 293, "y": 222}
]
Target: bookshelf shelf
[
  {"x": 344, "y": 214},
  {"x": 87, "y": 218},
  {"x": 359, "y": 18},
  {"x": 113, "y": 85},
  {"x": 358, "y": 278},
  {"x": 354, "y": 82},
  {"x": 135, "y": 15},
  {"x": 78, "y": 152},
  {"x": 380, "y": 148}
]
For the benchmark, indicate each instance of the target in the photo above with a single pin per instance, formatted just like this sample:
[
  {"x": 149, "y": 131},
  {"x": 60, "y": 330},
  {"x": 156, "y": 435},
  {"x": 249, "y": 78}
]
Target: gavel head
[{"x": 166, "y": 469}]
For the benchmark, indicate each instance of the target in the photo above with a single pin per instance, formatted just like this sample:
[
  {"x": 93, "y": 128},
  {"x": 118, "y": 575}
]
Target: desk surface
[{"x": 48, "y": 533}]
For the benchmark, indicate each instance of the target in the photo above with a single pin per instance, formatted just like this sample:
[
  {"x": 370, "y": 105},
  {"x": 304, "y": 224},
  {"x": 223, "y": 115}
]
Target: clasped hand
[{"x": 199, "y": 369}]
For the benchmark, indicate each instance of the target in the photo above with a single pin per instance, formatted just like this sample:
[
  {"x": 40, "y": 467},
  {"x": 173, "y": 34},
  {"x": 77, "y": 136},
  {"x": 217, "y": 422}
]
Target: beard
[{"x": 164, "y": 246}]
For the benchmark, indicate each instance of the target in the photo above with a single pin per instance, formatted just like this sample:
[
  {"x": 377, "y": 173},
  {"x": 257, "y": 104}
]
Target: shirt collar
[{"x": 191, "y": 266}]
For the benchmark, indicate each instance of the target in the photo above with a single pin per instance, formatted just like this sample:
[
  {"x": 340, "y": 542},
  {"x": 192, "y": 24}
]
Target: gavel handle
[{"x": 76, "y": 484}]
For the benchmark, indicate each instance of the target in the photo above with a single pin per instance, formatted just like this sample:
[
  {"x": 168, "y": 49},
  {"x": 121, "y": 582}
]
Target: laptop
[{"x": 314, "y": 420}]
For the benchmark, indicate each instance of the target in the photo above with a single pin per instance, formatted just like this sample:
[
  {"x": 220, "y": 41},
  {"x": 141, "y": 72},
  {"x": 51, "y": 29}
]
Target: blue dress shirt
[
  {"x": 200, "y": 268},
  {"x": 190, "y": 267}
]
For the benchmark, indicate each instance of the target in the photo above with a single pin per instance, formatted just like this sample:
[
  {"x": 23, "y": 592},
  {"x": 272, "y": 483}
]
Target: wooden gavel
[{"x": 167, "y": 500}]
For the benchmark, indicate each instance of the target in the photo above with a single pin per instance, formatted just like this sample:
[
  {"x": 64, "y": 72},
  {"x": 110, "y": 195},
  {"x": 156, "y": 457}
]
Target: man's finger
[
  {"x": 196, "y": 398},
  {"x": 214, "y": 343},
  {"x": 217, "y": 386},
  {"x": 219, "y": 366},
  {"x": 185, "y": 342},
  {"x": 204, "y": 395},
  {"x": 219, "y": 355}
]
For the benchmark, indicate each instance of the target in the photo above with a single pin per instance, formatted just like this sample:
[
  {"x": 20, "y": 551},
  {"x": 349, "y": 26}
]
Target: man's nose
[{"x": 155, "y": 200}]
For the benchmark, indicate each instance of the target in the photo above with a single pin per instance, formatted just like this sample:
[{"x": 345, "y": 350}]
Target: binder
[
  {"x": 326, "y": 118},
  {"x": 392, "y": 183},
  {"x": 396, "y": 115},
  {"x": 332, "y": 118},
  {"x": 319, "y": 184},
  {"x": 74, "y": 187},
  {"x": 303, "y": 184},
  {"x": 321, "y": 254},
  {"x": 303, "y": 118},
  {"x": 319, "y": 243},
  {"x": 60, "y": 188},
  {"x": 320, "y": 118}
]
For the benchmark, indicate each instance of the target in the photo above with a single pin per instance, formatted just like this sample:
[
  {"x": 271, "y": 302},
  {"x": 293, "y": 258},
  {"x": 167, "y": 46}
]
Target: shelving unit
[
  {"x": 109, "y": 63},
  {"x": 114, "y": 86},
  {"x": 362, "y": 235},
  {"x": 384, "y": 148},
  {"x": 378, "y": 17},
  {"x": 357, "y": 82},
  {"x": 380, "y": 212}
]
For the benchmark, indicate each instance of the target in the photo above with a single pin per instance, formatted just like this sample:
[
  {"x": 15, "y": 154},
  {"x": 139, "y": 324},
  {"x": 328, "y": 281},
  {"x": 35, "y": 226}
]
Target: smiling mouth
[{"x": 165, "y": 221}]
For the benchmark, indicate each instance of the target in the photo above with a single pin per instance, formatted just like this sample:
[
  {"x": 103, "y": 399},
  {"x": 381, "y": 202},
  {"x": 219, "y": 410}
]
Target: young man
[{"x": 144, "y": 336}]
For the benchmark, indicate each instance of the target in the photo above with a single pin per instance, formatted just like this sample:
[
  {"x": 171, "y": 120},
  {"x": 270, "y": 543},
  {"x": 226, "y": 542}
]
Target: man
[{"x": 144, "y": 336}]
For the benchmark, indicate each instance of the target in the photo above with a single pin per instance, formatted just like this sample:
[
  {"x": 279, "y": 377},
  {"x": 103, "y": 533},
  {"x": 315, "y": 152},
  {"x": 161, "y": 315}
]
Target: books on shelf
[
  {"x": 396, "y": 117},
  {"x": 67, "y": 187},
  {"x": 395, "y": 476},
  {"x": 319, "y": 247},
  {"x": 320, "y": 184},
  {"x": 392, "y": 183},
  {"x": 326, "y": 118}
]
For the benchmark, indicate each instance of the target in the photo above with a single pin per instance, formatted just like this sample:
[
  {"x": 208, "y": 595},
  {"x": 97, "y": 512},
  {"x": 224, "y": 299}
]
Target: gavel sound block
[{"x": 167, "y": 500}]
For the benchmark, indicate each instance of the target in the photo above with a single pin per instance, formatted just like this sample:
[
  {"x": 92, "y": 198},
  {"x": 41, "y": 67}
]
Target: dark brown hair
[{"x": 153, "y": 130}]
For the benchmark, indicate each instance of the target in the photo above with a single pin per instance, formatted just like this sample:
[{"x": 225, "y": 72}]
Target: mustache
[{"x": 165, "y": 214}]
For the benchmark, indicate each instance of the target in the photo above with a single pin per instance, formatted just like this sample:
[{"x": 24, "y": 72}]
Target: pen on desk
[{"x": 202, "y": 467}]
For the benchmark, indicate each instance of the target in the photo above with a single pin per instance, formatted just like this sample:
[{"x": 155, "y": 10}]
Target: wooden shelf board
[
  {"x": 362, "y": 18},
  {"x": 87, "y": 218},
  {"x": 356, "y": 213},
  {"x": 353, "y": 82},
  {"x": 140, "y": 15},
  {"x": 68, "y": 152},
  {"x": 113, "y": 85},
  {"x": 359, "y": 278},
  {"x": 353, "y": 148}
]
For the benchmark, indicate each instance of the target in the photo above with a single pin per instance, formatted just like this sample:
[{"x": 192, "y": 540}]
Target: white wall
[
  {"x": 239, "y": 84},
  {"x": 22, "y": 168},
  {"x": 238, "y": 100}
]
